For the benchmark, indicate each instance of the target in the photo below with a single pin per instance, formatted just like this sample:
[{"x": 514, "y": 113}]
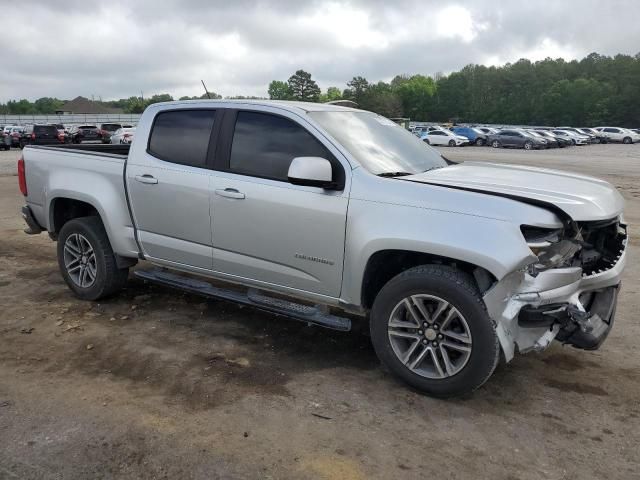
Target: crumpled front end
[{"x": 569, "y": 296}]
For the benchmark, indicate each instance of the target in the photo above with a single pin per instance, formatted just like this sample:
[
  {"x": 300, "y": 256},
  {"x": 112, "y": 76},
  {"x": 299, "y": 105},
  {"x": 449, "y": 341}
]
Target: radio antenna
[{"x": 205, "y": 89}]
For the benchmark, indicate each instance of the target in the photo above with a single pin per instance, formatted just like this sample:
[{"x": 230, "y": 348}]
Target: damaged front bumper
[{"x": 565, "y": 304}]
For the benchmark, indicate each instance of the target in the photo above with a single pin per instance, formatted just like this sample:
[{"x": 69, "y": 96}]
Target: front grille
[{"x": 603, "y": 243}]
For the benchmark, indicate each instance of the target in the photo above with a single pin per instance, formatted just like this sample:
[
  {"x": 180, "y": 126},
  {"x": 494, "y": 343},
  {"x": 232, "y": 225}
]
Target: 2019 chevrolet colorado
[{"x": 309, "y": 210}]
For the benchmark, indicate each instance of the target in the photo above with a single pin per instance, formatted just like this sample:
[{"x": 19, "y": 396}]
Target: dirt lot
[{"x": 158, "y": 384}]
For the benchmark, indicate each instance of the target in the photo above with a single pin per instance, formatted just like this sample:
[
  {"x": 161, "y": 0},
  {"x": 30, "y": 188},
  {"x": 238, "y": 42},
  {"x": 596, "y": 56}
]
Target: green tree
[
  {"x": 279, "y": 90},
  {"x": 47, "y": 105},
  {"x": 333, "y": 93},
  {"x": 303, "y": 87},
  {"x": 358, "y": 86},
  {"x": 416, "y": 94}
]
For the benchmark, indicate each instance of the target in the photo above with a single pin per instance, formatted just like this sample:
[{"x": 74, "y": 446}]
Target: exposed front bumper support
[{"x": 556, "y": 292}]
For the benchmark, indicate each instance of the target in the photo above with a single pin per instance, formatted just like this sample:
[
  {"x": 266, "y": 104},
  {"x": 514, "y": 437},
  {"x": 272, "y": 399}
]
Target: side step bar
[{"x": 316, "y": 315}]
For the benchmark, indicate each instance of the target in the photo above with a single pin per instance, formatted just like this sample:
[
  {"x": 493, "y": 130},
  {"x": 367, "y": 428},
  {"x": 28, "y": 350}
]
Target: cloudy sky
[{"x": 118, "y": 48}]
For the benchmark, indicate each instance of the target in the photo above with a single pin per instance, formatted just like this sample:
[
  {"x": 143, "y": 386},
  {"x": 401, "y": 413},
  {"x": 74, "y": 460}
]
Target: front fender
[{"x": 493, "y": 244}]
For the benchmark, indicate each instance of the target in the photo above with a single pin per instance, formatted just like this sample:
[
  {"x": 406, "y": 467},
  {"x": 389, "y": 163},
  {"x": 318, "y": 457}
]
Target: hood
[{"x": 581, "y": 197}]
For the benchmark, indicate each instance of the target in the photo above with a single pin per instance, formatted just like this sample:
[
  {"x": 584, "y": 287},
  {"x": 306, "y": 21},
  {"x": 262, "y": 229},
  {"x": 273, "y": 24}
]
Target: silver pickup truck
[{"x": 329, "y": 215}]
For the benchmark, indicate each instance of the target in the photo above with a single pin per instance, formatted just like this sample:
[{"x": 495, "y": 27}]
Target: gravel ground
[{"x": 159, "y": 384}]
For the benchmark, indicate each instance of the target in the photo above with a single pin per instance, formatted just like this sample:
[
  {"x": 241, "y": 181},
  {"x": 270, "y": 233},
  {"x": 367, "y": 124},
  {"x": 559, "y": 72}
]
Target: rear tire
[
  {"x": 426, "y": 140},
  {"x": 454, "y": 341},
  {"x": 495, "y": 144},
  {"x": 528, "y": 145},
  {"x": 480, "y": 142},
  {"x": 83, "y": 246}
]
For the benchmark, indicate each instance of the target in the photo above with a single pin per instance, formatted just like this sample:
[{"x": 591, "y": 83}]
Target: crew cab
[{"x": 336, "y": 216}]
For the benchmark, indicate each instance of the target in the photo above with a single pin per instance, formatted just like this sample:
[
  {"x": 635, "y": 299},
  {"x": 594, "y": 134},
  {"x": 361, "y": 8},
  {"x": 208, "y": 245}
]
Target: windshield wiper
[{"x": 394, "y": 174}]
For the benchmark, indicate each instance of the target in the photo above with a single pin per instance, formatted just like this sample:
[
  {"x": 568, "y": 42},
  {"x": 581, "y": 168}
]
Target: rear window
[
  {"x": 111, "y": 127},
  {"x": 182, "y": 136},
  {"x": 45, "y": 130}
]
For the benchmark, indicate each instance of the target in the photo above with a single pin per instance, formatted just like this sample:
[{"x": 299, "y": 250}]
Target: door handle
[
  {"x": 148, "y": 179},
  {"x": 230, "y": 193}
]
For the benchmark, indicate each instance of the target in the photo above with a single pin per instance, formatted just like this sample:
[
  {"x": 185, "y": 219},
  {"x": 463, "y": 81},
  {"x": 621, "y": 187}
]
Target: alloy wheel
[
  {"x": 429, "y": 336},
  {"x": 80, "y": 260}
]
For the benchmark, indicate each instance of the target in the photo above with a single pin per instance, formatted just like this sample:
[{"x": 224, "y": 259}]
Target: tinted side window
[
  {"x": 264, "y": 145},
  {"x": 182, "y": 136}
]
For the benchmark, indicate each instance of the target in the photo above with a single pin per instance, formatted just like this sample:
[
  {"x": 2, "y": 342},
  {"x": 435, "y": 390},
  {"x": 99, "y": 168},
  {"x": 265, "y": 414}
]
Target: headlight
[{"x": 551, "y": 247}]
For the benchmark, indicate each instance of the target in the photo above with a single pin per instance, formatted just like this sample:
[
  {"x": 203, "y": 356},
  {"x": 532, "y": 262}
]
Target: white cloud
[{"x": 237, "y": 47}]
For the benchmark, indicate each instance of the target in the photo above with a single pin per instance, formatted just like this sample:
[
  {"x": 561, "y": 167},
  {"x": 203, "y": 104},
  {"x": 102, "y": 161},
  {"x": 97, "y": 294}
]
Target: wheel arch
[{"x": 383, "y": 265}]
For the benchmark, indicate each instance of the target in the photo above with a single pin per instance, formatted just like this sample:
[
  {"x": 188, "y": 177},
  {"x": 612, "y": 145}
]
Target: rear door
[
  {"x": 266, "y": 230},
  {"x": 169, "y": 186}
]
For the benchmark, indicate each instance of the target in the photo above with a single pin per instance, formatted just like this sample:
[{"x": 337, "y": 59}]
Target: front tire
[
  {"x": 626, "y": 140},
  {"x": 495, "y": 144},
  {"x": 429, "y": 326},
  {"x": 480, "y": 142},
  {"x": 87, "y": 262},
  {"x": 528, "y": 145},
  {"x": 452, "y": 143}
]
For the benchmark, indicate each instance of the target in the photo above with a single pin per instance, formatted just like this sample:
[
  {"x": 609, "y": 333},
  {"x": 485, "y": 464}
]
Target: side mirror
[{"x": 311, "y": 172}]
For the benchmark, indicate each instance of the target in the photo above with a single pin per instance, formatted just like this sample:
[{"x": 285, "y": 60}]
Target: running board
[{"x": 317, "y": 315}]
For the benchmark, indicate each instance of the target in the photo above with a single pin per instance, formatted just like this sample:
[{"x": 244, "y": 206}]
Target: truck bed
[{"x": 89, "y": 173}]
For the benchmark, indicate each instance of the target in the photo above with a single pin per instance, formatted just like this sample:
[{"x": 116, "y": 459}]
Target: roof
[
  {"x": 84, "y": 105},
  {"x": 287, "y": 104}
]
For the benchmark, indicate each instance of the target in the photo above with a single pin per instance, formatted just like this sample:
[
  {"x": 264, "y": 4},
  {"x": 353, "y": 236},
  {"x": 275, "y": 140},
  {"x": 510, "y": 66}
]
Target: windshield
[{"x": 379, "y": 144}]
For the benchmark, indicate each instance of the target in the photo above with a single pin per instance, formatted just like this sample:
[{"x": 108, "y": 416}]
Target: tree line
[{"x": 592, "y": 91}]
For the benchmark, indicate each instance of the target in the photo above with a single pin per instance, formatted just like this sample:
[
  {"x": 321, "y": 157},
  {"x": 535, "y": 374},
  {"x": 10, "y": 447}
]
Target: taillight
[
  {"x": 33, "y": 136},
  {"x": 22, "y": 179},
  {"x": 61, "y": 137}
]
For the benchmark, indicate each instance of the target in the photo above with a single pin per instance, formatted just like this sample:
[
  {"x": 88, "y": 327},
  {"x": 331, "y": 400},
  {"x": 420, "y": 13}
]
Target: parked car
[
  {"x": 107, "y": 129},
  {"x": 5, "y": 140},
  {"x": 14, "y": 134},
  {"x": 474, "y": 135},
  {"x": 590, "y": 136},
  {"x": 599, "y": 136},
  {"x": 563, "y": 141},
  {"x": 571, "y": 136},
  {"x": 551, "y": 141},
  {"x": 513, "y": 138},
  {"x": 444, "y": 137},
  {"x": 488, "y": 130},
  {"x": 85, "y": 133},
  {"x": 617, "y": 134},
  {"x": 123, "y": 136},
  {"x": 446, "y": 295},
  {"x": 39, "y": 135},
  {"x": 63, "y": 134}
]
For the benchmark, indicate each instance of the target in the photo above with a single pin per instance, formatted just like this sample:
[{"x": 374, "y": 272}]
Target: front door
[
  {"x": 264, "y": 228},
  {"x": 169, "y": 187}
]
